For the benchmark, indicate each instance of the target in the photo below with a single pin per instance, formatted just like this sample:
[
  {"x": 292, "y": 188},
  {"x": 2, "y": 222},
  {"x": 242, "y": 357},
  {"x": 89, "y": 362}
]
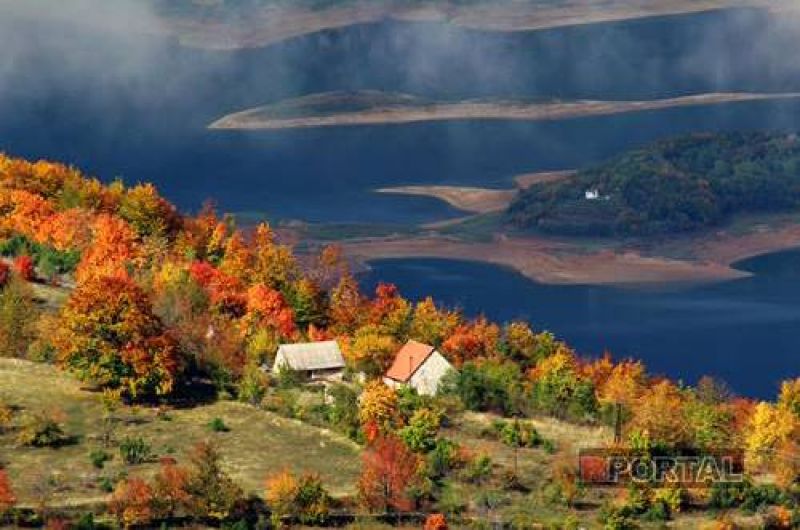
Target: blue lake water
[
  {"x": 137, "y": 107},
  {"x": 744, "y": 331}
]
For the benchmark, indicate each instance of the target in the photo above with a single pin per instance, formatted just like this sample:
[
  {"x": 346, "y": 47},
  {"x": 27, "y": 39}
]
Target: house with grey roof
[{"x": 313, "y": 360}]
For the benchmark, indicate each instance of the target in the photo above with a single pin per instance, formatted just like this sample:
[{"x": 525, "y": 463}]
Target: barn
[
  {"x": 419, "y": 366},
  {"x": 313, "y": 360}
]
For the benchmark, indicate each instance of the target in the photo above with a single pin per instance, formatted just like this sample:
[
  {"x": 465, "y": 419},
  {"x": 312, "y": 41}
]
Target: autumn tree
[
  {"x": 114, "y": 246},
  {"x": 390, "y": 311},
  {"x": 7, "y": 497},
  {"x": 559, "y": 387},
  {"x": 110, "y": 336},
  {"x": 770, "y": 428},
  {"x": 237, "y": 260},
  {"x": 303, "y": 497},
  {"x": 378, "y": 405},
  {"x": 472, "y": 340},
  {"x": 147, "y": 212},
  {"x": 267, "y": 307},
  {"x": 388, "y": 470},
  {"x": 273, "y": 264},
  {"x": 346, "y": 306},
  {"x": 660, "y": 415},
  {"x": 170, "y": 495},
  {"x": 370, "y": 350},
  {"x": 24, "y": 267},
  {"x": 789, "y": 397},
  {"x": 131, "y": 502},
  {"x": 431, "y": 325},
  {"x": 213, "y": 493},
  {"x": 18, "y": 318}
]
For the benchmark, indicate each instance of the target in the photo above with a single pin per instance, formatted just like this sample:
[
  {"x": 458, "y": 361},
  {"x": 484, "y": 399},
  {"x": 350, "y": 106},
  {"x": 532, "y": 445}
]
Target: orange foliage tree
[
  {"x": 268, "y": 308},
  {"x": 114, "y": 245},
  {"x": 109, "y": 335},
  {"x": 132, "y": 501}
]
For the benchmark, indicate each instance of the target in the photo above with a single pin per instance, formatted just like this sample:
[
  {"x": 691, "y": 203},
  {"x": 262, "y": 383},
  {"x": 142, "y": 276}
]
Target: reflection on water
[{"x": 745, "y": 331}]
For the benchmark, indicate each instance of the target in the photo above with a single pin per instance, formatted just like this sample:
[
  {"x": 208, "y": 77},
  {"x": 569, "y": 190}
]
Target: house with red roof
[{"x": 419, "y": 366}]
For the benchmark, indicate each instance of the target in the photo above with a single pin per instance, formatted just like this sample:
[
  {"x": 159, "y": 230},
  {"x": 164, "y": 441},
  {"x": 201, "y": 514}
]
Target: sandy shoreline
[
  {"x": 478, "y": 200},
  {"x": 270, "y": 24},
  {"x": 474, "y": 200},
  {"x": 258, "y": 118},
  {"x": 564, "y": 262}
]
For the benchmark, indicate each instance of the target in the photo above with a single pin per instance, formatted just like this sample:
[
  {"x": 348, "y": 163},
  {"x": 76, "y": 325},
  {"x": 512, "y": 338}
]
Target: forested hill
[{"x": 672, "y": 186}]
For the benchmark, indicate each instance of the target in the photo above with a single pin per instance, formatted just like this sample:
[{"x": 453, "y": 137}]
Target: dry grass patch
[{"x": 257, "y": 443}]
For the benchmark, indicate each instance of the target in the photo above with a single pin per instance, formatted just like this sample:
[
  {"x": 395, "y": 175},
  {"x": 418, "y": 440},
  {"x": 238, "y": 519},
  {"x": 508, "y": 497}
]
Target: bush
[
  {"x": 517, "y": 433},
  {"x": 443, "y": 459},
  {"x": 135, "y": 451},
  {"x": 42, "y": 430},
  {"x": 98, "y": 457},
  {"x": 218, "y": 425},
  {"x": 420, "y": 434},
  {"x": 478, "y": 470}
]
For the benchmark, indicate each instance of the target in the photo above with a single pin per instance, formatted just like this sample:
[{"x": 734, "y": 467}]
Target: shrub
[
  {"x": 478, "y": 470},
  {"x": 135, "y": 451},
  {"x": 435, "y": 521},
  {"x": 41, "y": 430},
  {"x": 98, "y": 457},
  {"x": 218, "y": 425},
  {"x": 442, "y": 459},
  {"x": 420, "y": 434}
]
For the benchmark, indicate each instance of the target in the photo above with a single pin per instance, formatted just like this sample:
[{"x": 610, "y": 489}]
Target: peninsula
[{"x": 369, "y": 107}]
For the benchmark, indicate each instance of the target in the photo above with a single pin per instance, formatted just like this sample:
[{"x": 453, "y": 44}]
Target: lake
[
  {"x": 137, "y": 107},
  {"x": 743, "y": 331}
]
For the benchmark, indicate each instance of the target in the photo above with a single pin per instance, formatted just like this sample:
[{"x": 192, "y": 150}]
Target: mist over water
[{"x": 112, "y": 91}]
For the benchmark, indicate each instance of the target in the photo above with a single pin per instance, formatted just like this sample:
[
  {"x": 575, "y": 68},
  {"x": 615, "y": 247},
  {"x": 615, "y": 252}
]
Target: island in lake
[
  {"x": 371, "y": 107},
  {"x": 679, "y": 210}
]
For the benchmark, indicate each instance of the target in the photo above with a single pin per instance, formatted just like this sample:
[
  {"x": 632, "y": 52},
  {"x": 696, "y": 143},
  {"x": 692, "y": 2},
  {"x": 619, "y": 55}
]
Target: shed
[
  {"x": 419, "y": 366},
  {"x": 314, "y": 360}
]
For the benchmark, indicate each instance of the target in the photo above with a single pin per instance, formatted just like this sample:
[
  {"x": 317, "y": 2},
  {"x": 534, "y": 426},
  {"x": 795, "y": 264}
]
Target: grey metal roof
[{"x": 312, "y": 355}]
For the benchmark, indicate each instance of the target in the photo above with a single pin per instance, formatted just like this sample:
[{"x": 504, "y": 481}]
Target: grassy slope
[{"x": 258, "y": 442}]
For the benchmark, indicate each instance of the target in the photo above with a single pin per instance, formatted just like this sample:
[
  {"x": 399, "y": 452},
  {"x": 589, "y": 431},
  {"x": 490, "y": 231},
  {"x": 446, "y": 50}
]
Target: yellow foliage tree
[{"x": 378, "y": 405}]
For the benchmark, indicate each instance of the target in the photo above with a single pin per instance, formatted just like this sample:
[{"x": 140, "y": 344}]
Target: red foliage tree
[
  {"x": 388, "y": 470},
  {"x": 23, "y": 265}
]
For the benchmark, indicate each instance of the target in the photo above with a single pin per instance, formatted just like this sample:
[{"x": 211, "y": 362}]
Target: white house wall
[{"x": 426, "y": 379}]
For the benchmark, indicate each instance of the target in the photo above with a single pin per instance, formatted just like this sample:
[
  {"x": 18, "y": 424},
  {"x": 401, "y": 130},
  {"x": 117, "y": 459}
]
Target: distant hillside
[{"x": 672, "y": 186}]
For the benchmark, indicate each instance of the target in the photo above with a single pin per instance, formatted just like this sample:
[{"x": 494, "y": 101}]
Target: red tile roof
[{"x": 408, "y": 360}]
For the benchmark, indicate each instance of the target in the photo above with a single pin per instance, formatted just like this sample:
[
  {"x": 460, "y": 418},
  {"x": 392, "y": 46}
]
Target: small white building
[
  {"x": 592, "y": 194},
  {"x": 419, "y": 366},
  {"x": 314, "y": 360}
]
